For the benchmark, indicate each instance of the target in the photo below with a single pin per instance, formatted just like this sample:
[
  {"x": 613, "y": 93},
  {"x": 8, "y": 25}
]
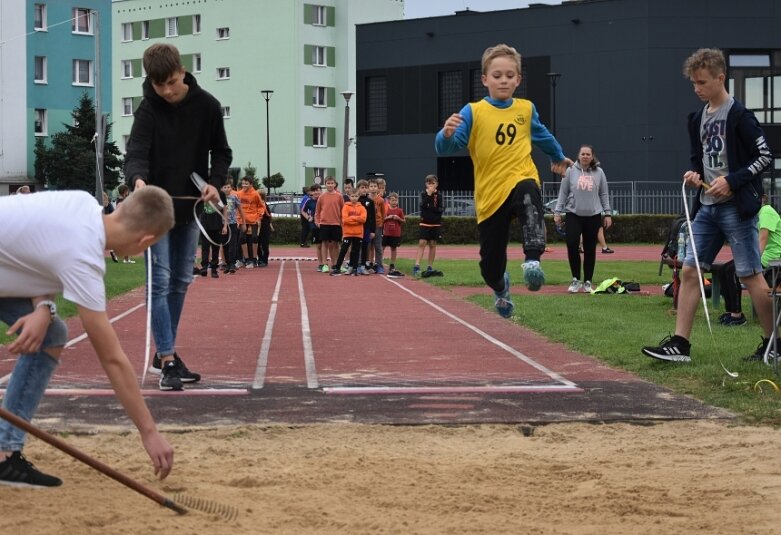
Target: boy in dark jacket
[
  {"x": 728, "y": 156},
  {"x": 431, "y": 209},
  {"x": 177, "y": 130}
]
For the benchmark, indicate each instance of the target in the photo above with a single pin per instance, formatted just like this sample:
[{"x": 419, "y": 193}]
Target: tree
[
  {"x": 249, "y": 174},
  {"x": 69, "y": 160},
  {"x": 275, "y": 181}
]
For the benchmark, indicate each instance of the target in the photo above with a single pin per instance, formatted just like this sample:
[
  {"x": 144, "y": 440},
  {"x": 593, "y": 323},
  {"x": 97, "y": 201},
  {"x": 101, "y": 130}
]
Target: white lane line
[
  {"x": 260, "y": 370},
  {"x": 83, "y": 336},
  {"x": 514, "y": 352},
  {"x": 486, "y": 389},
  {"x": 306, "y": 336},
  {"x": 108, "y": 392},
  {"x": 4, "y": 379}
]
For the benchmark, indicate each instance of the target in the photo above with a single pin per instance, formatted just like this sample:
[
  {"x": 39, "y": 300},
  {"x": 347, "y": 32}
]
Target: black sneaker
[
  {"x": 732, "y": 321},
  {"x": 169, "y": 377},
  {"x": 184, "y": 373},
  {"x": 215, "y": 275},
  {"x": 672, "y": 348},
  {"x": 204, "y": 272},
  {"x": 16, "y": 471},
  {"x": 759, "y": 353},
  {"x": 395, "y": 274},
  {"x": 114, "y": 257}
]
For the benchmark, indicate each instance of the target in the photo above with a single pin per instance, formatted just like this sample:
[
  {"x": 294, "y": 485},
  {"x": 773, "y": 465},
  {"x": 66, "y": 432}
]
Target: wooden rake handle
[{"x": 89, "y": 461}]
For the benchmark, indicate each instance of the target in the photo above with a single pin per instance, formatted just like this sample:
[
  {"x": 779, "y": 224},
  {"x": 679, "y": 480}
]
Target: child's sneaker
[
  {"x": 504, "y": 305},
  {"x": 362, "y": 270},
  {"x": 416, "y": 271},
  {"x": 672, "y": 348},
  {"x": 395, "y": 274},
  {"x": 325, "y": 269},
  {"x": 336, "y": 272},
  {"x": 533, "y": 275},
  {"x": 349, "y": 270},
  {"x": 587, "y": 287},
  {"x": 732, "y": 321},
  {"x": 759, "y": 353},
  {"x": 380, "y": 270},
  {"x": 169, "y": 377},
  {"x": 428, "y": 273},
  {"x": 185, "y": 374},
  {"x": 574, "y": 286}
]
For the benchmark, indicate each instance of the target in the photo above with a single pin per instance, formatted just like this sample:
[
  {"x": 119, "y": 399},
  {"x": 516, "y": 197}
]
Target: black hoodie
[{"x": 170, "y": 141}]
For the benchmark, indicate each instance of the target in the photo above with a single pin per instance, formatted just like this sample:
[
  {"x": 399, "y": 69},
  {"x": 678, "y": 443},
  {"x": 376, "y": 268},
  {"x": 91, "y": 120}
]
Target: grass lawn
[{"x": 612, "y": 328}]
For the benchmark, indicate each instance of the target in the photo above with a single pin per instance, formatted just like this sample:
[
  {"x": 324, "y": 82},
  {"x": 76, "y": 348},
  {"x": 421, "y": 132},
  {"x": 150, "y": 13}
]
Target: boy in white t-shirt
[{"x": 67, "y": 256}]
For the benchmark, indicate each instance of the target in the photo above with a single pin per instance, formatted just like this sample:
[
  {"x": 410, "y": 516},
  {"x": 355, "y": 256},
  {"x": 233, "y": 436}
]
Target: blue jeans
[
  {"x": 717, "y": 223},
  {"x": 31, "y": 373},
  {"x": 173, "y": 258}
]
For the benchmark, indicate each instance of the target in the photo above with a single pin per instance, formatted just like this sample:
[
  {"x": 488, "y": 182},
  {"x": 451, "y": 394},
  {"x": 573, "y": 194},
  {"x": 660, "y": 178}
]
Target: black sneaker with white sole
[
  {"x": 759, "y": 353},
  {"x": 169, "y": 377},
  {"x": 16, "y": 471},
  {"x": 185, "y": 374},
  {"x": 672, "y": 348}
]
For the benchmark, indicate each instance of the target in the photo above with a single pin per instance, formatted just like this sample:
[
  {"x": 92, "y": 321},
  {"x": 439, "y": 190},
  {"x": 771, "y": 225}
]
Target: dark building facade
[{"x": 612, "y": 69}]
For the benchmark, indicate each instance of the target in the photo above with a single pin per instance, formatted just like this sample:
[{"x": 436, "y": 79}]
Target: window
[
  {"x": 477, "y": 89},
  {"x": 127, "y": 69},
  {"x": 450, "y": 99},
  {"x": 318, "y": 15},
  {"x": 226, "y": 112},
  {"x": 318, "y": 96},
  {"x": 196, "y": 24},
  {"x": 127, "y": 107},
  {"x": 223, "y": 33},
  {"x": 754, "y": 80},
  {"x": 171, "y": 27},
  {"x": 320, "y": 173},
  {"x": 376, "y": 104},
  {"x": 145, "y": 29},
  {"x": 82, "y": 20},
  {"x": 40, "y": 69},
  {"x": 40, "y": 122},
  {"x": 318, "y": 55},
  {"x": 196, "y": 63},
  {"x": 127, "y": 32},
  {"x": 223, "y": 73},
  {"x": 39, "y": 17},
  {"x": 82, "y": 72},
  {"x": 318, "y": 136}
]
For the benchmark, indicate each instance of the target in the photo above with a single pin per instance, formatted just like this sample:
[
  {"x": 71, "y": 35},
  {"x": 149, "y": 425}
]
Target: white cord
[
  {"x": 147, "y": 346},
  {"x": 696, "y": 259}
]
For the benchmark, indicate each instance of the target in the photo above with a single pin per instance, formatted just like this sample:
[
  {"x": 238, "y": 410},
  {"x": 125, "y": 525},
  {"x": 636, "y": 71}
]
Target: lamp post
[
  {"x": 346, "y": 95},
  {"x": 554, "y": 77},
  {"x": 267, "y": 95}
]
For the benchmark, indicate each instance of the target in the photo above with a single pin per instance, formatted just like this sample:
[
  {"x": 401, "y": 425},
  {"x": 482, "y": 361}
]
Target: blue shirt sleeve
[
  {"x": 460, "y": 138},
  {"x": 543, "y": 139}
]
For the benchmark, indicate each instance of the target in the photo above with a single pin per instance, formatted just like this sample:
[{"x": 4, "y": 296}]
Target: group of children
[
  {"x": 362, "y": 218},
  {"x": 240, "y": 235}
]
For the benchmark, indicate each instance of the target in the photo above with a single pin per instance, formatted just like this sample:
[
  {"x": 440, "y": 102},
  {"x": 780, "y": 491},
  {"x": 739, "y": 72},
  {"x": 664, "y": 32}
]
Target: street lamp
[
  {"x": 346, "y": 95},
  {"x": 267, "y": 95}
]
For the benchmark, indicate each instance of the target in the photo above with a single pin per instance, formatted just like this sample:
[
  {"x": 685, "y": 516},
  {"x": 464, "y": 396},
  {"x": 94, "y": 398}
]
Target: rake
[{"x": 205, "y": 506}]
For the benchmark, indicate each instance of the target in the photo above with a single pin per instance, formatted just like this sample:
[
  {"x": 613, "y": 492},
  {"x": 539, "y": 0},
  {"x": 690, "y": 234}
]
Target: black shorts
[
  {"x": 330, "y": 233},
  {"x": 315, "y": 234},
  {"x": 391, "y": 241},
  {"x": 430, "y": 233}
]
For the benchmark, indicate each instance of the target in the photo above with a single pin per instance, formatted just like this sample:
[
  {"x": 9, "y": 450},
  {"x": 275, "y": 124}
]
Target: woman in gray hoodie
[{"x": 583, "y": 198}]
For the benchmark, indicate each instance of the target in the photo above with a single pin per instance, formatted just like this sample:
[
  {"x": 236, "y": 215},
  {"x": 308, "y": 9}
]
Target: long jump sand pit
[{"x": 670, "y": 477}]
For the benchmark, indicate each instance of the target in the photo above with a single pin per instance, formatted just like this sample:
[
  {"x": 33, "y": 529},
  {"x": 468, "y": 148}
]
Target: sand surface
[{"x": 672, "y": 477}]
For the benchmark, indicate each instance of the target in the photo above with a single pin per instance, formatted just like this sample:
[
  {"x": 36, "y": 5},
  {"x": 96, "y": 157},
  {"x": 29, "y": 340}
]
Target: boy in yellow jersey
[{"x": 499, "y": 132}]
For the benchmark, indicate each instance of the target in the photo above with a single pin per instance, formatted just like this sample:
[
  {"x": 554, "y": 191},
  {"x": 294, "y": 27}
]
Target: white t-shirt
[{"x": 52, "y": 242}]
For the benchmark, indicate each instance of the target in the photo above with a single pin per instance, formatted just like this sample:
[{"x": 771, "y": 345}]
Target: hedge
[{"x": 459, "y": 230}]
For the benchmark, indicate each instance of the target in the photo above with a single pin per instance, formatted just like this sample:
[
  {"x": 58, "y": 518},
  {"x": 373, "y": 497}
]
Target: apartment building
[
  {"x": 301, "y": 53},
  {"x": 48, "y": 54}
]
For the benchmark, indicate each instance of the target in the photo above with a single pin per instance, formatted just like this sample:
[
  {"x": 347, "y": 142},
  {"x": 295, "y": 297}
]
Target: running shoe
[
  {"x": 672, "y": 348},
  {"x": 504, "y": 304},
  {"x": 533, "y": 275}
]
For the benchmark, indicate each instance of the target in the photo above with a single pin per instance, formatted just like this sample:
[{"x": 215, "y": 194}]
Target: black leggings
[
  {"x": 525, "y": 203},
  {"x": 588, "y": 227}
]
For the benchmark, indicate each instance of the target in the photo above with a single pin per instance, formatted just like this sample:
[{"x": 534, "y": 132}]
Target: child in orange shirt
[
  {"x": 253, "y": 208},
  {"x": 353, "y": 218}
]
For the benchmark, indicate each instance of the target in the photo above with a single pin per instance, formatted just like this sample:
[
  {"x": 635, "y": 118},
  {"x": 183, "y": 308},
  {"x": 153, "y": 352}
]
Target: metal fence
[{"x": 629, "y": 197}]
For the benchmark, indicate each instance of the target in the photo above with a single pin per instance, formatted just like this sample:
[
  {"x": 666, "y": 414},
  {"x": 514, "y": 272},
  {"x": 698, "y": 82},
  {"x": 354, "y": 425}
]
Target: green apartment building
[{"x": 302, "y": 50}]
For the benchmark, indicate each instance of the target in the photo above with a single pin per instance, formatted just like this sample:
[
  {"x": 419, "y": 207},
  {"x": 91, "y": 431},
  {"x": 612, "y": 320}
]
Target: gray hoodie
[{"x": 583, "y": 193}]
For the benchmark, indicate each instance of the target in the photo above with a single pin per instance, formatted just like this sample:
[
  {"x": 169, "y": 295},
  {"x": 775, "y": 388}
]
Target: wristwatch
[{"x": 51, "y": 304}]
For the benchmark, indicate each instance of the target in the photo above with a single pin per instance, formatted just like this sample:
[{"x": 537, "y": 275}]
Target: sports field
[{"x": 440, "y": 418}]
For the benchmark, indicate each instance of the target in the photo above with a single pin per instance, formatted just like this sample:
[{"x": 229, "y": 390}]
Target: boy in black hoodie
[
  {"x": 431, "y": 209},
  {"x": 177, "y": 130}
]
